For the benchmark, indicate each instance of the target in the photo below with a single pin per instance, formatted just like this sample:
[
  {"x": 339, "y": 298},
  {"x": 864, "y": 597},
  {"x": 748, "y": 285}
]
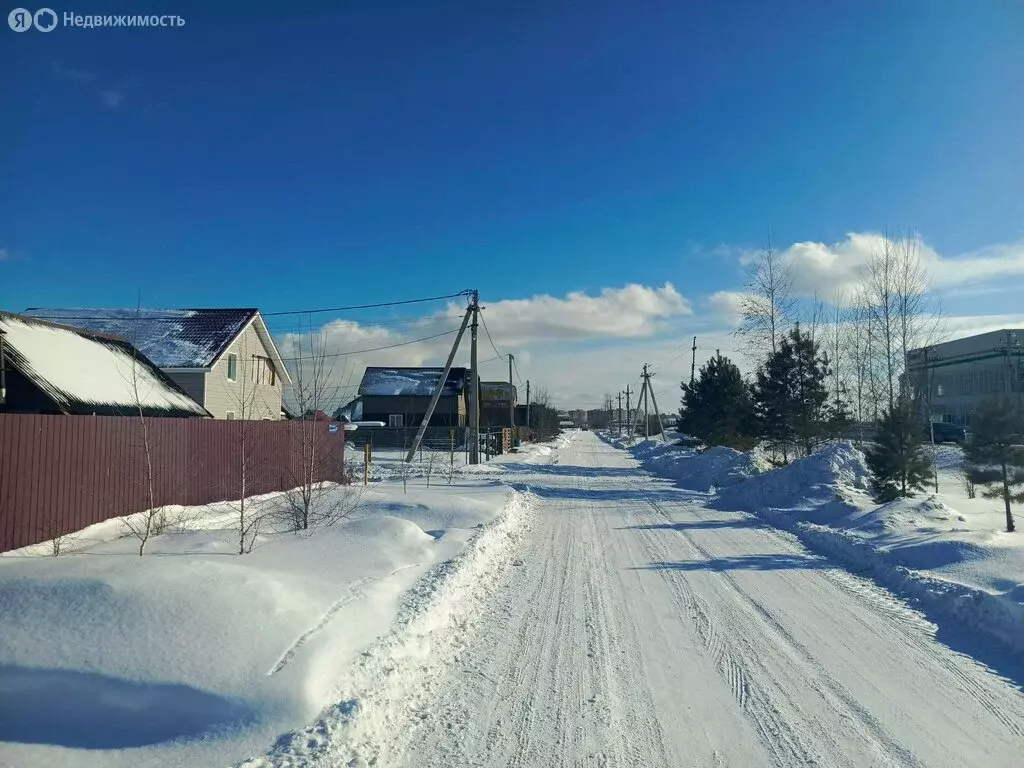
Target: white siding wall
[{"x": 244, "y": 397}]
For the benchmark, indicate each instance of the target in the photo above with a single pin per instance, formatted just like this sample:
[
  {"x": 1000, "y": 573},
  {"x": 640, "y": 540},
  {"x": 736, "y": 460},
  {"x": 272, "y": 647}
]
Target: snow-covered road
[{"x": 643, "y": 629}]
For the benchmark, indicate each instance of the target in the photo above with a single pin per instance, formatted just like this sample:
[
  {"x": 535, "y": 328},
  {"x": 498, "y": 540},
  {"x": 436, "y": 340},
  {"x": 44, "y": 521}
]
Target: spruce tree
[
  {"x": 897, "y": 459},
  {"x": 791, "y": 394},
  {"x": 717, "y": 407},
  {"x": 995, "y": 453}
]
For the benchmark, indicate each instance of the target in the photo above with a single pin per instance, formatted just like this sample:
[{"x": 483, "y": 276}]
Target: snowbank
[
  {"x": 828, "y": 483},
  {"x": 943, "y": 552},
  {"x": 193, "y": 655},
  {"x": 705, "y": 471}
]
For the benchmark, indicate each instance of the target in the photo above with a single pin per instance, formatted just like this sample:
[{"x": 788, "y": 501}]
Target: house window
[
  {"x": 263, "y": 371},
  {"x": 230, "y": 415},
  {"x": 396, "y": 420},
  {"x": 232, "y": 367}
]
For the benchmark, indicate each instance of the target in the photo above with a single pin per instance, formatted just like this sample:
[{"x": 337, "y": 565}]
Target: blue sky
[{"x": 291, "y": 159}]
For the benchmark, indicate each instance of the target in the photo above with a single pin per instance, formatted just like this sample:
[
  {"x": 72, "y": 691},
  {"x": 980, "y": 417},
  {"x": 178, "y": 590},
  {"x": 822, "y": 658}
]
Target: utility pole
[
  {"x": 620, "y": 414},
  {"x": 654, "y": 400},
  {"x": 437, "y": 393},
  {"x": 528, "y": 404},
  {"x": 629, "y": 420},
  {"x": 693, "y": 362},
  {"x": 647, "y": 421},
  {"x": 511, "y": 400},
  {"x": 474, "y": 382}
]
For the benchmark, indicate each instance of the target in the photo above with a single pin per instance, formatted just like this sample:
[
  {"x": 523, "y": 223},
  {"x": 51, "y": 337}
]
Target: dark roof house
[
  {"x": 225, "y": 359},
  {"x": 399, "y": 397},
  {"x": 53, "y": 368},
  {"x": 413, "y": 382}
]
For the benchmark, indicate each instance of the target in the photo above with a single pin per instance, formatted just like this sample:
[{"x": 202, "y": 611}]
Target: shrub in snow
[{"x": 897, "y": 458}]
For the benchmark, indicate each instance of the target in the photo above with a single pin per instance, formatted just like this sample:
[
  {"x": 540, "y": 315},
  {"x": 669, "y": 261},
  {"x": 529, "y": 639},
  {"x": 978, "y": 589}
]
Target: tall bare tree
[
  {"x": 315, "y": 391},
  {"x": 768, "y": 307}
]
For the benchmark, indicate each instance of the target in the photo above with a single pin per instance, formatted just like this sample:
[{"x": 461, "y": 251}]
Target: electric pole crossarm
[{"x": 437, "y": 393}]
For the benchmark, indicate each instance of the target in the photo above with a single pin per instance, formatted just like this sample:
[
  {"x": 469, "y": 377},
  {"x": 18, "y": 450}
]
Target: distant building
[
  {"x": 951, "y": 379},
  {"x": 399, "y": 397},
  {"x": 225, "y": 359},
  {"x": 57, "y": 369},
  {"x": 494, "y": 403}
]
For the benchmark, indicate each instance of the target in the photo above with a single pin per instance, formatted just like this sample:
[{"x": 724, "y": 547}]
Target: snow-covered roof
[
  {"x": 171, "y": 338},
  {"x": 419, "y": 382},
  {"x": 83, "y": 371}
]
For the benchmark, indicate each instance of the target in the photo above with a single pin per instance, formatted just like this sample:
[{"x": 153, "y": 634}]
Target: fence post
[{"x": 366, "y": 463}]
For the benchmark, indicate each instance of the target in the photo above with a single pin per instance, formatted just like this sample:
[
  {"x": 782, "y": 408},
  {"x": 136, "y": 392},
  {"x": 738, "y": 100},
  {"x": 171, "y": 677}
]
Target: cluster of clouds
[{"x": 633, "y": 324}]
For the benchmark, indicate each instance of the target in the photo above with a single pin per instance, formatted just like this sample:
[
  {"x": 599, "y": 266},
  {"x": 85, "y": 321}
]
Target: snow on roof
[
  {"x": 171, "y": 338},
  {"x": 86, "y": 372},
  {"x": 419, "y": 382}
]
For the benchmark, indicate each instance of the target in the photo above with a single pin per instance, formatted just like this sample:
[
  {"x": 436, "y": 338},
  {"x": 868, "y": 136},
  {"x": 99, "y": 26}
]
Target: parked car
[{"x": 944, "y": 432}]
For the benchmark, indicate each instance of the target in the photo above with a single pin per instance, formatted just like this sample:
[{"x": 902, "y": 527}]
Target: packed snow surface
[{"x": 599, "y": 616}]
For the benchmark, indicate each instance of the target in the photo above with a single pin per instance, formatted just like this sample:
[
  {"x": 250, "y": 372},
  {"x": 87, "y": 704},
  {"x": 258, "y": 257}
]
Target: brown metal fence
[{"x": 59, "y": 474}]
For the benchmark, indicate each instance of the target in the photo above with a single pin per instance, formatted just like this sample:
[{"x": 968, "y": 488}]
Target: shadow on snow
[
  {"x": 742, "y": 563},
  {"x": 84, "y": 710}
]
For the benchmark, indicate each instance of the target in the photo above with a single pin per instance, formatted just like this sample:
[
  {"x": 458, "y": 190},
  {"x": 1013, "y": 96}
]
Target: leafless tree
[
  {"x": 900, "y": 312},
  {"x": 312, "y": 499},
  {"x": 768, "y": 307},
  {"x": 152, "y": 520},
  {"x": 449, "y": 470},
  {"x": 250, "y": 404},
  {"x": 430, "y": 463},
  {"x": 59, "y": 541},
  {"x": 968, "y": 484}
]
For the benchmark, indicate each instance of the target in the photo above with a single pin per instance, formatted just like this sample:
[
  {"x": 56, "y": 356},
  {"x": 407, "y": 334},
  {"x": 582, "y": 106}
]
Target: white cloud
[
  {"x": 543, "y": 332},
  {"x": 633, "y": 311},
  {"x": 727, "y": 306},
  {"x": 5, "y": 255},
  {"x": 830, "y": 268}
]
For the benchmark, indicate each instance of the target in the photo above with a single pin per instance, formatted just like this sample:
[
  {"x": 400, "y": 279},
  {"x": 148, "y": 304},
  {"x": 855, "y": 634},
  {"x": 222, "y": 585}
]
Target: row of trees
[
  {"x": 843, "y": 372},
  {"x": 787, "y": 404}
]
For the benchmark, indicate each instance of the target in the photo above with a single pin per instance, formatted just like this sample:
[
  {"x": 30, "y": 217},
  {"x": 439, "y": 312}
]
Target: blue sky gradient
[{"x": 292, "y": 158}]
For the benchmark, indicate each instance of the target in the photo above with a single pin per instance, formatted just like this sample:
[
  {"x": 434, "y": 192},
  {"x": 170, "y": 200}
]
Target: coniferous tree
[
  {"x": 791, "y": 394},
  {"x": 897, "y": 459},
  {"x": 717, "y": 407},
  {"x": 995, "y": 453}
]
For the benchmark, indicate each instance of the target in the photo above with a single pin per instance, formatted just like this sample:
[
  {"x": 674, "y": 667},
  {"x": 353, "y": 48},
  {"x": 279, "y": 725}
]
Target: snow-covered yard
[
  {"x": 944, "y": 551},
  {"x": 194, "y": 655}
]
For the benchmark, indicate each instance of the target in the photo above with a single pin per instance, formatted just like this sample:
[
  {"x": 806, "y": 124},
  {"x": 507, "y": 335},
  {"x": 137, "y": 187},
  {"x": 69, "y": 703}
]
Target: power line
[
  {"x": 515, "y": 366},
  {"x": 179, "y": 318},
  {"x": 489, "y": 337},
  {"x": 372, "y": 349},
  {"x": 367, "y": 306}
]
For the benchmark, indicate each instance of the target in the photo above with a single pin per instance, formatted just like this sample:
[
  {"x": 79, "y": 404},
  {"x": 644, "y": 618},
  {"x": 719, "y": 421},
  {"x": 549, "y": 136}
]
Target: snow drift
[
  {"x": 828, "y": 483},
  {"x": 698, "y": 471}
]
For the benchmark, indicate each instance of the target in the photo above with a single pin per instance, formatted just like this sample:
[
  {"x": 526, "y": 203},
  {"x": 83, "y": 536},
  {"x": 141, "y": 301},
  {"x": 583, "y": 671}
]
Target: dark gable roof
[
  {"x": 418, "y": 382},
  {"x": 171, "y": 338},
  {"x": 91, "y": 372}
]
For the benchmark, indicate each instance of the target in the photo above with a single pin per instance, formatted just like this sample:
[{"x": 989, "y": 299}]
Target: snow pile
[
  {"x": 714, "y": 468},
  {"x": 394, "y": 680},
  {"x": 194, "y": 655},
  {"x": 829, "y": 482}
]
